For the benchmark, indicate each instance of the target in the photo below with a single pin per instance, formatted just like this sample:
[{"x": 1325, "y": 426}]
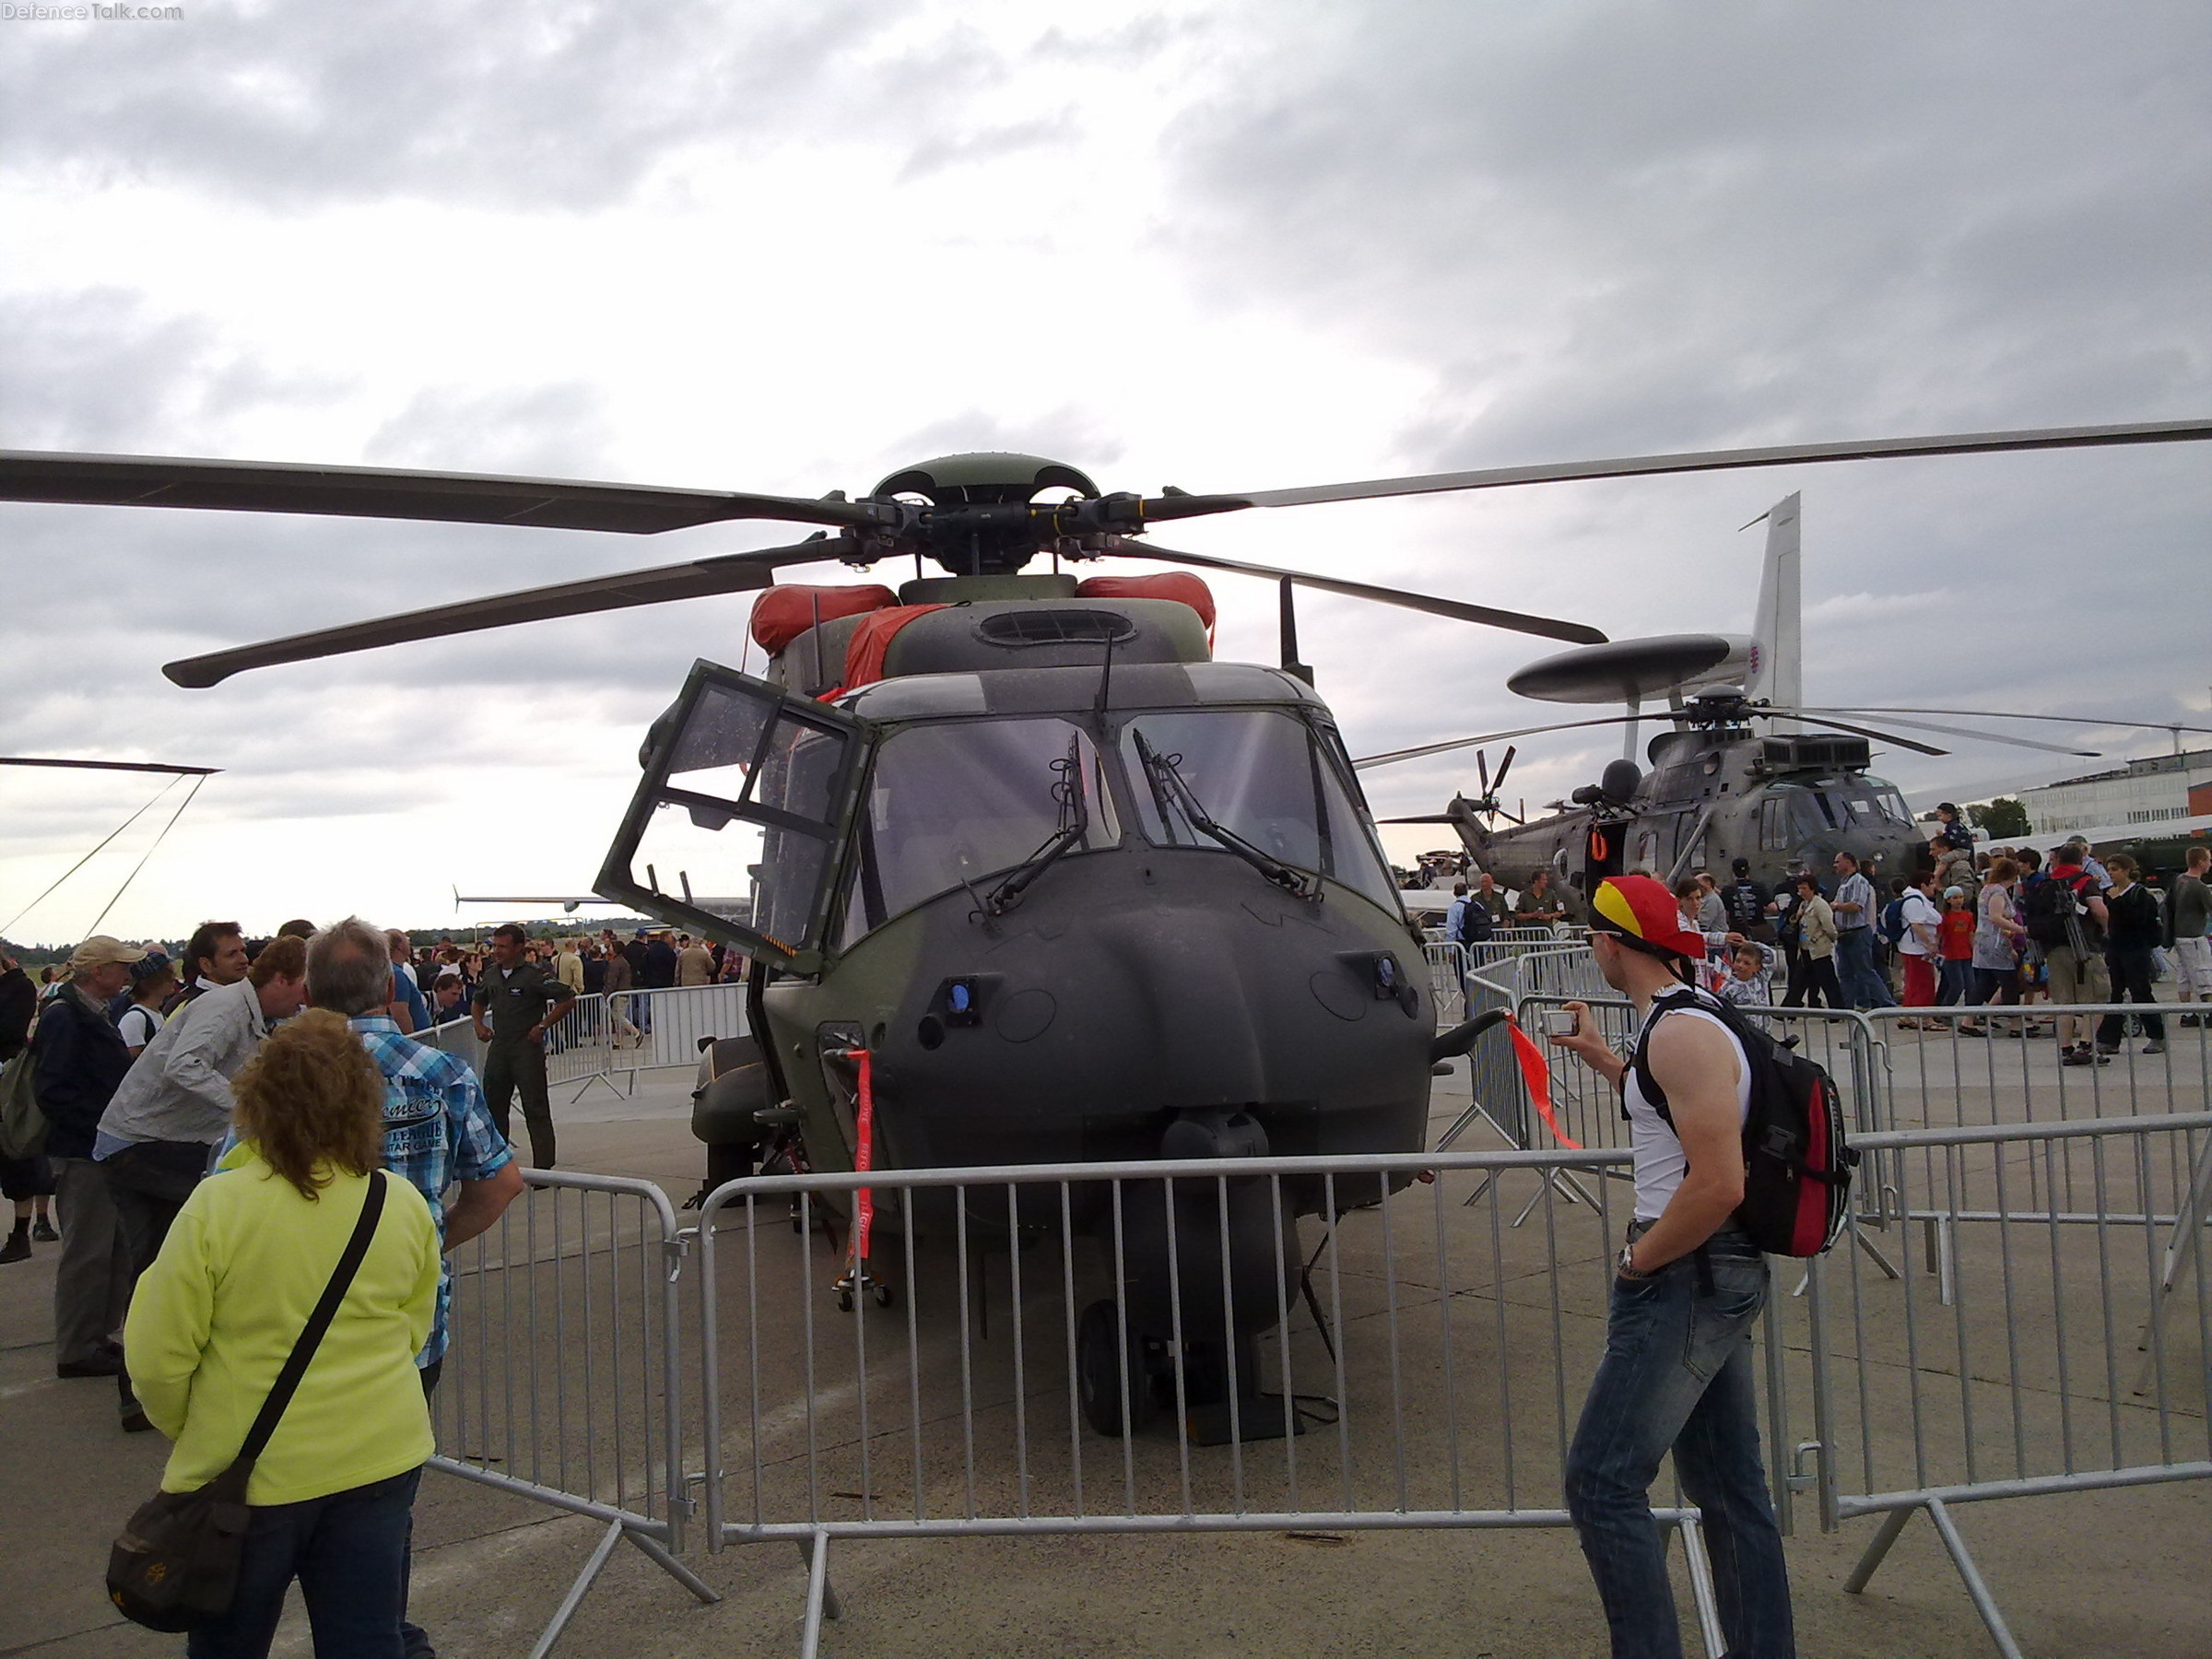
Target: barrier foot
[
  {"x": 574, "y": 1598},
  {"x": 1892, "y": 1524},
  {"x": 821, "y": 1600},
  {"x": 1560, "y": 1182},
  {"x": 1985, "y": 1603},
  {"x": 1700, "y": 1587},
  {"x": 658, "y": 1554},
  {"x": 600, "y": 1554},
  {"x": 595, "y": 1078}
]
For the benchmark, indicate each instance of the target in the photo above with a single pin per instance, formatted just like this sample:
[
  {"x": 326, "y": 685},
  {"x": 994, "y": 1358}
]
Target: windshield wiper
[
  {"x": 1075, "y": 823},
  {"x": 1164, "y": 773}
]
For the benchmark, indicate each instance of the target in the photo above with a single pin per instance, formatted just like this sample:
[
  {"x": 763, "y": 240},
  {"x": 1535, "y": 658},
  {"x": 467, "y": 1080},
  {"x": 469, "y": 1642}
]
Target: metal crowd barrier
[
  {"x": 996, "y": 1332},
  {"x": 562, "y": 1379},
  {"x": 665, "y": 1027},
  {"x": 1957, "y": 1066},
  {"x": 2065, "y": 1353},
  {"x": 1447, "y": 979},
  {"x": 1897, "y": 1067},
  {"x": 601, "y": 1037}
]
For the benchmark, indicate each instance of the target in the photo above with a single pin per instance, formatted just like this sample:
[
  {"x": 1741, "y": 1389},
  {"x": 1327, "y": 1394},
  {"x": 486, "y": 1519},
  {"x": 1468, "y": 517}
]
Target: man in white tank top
[{"x": 1687, "y": 1288}]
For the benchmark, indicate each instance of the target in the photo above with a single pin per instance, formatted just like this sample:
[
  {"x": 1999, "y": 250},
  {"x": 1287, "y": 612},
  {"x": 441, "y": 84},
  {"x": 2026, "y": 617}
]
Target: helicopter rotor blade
[
  {"x": 1459, "y": 743},
  {"x": 1568, "y": 725},
  {"x": 1549, "y": 627},
  {"x": 2148, "y": 725},
  {"x": 390, "y": 492},
  {"x": 725, "y": 573},
  {"x": 1421, "y": 817},
  {"x": 1504, "y": 766},
  {"x": 1160, "y": 509},
  {"x": 1952, "y": 731},
  {"x": 131, "y": 766},
  {"x": 1482, "y": 771}
]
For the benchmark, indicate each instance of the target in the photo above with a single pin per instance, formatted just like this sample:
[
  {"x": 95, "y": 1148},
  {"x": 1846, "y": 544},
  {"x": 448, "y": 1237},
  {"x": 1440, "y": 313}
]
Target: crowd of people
[
  {"x": 211, "y": 1124},
  {"x": 2035, "y": 931}
]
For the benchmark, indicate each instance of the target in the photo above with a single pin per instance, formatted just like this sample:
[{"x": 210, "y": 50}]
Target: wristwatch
[{"x": 1628, "y": 1263}]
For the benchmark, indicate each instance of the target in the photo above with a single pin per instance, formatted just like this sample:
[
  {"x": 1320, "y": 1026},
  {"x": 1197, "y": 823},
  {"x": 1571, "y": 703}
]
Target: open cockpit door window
[{"x": 739, "y": 824}]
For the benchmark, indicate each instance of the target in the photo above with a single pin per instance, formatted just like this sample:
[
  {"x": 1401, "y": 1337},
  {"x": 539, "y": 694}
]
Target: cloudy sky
[{"x": 791, "y": 246}]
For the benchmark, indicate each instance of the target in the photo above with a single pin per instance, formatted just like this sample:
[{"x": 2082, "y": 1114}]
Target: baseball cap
[
  {"x": 1640, "y": 908},
  {"x": 100, "y": 950},
  {"x": 1954, "y": 892}
]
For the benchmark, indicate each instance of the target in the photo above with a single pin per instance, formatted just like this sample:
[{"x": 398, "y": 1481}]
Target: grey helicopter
[
  {"x": 1020, "y": 856},
  {"x": 1735, "y": 774}
]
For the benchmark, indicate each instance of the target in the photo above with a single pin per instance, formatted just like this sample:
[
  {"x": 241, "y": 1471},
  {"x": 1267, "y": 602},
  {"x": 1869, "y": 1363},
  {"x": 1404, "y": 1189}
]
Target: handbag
[
  {"x": 22, "y": 1123},
  {"x": 175, "y": 1565}
]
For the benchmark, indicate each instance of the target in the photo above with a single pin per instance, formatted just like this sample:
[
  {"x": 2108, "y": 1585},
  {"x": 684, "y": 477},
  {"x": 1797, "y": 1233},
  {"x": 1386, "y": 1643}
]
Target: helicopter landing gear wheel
[
  {"x": 1108, "y": 1373},
  {"x": 878, "y": 1291}
]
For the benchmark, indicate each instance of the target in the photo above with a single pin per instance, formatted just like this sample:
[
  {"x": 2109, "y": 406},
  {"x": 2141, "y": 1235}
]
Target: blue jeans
[
  {"x": 348, "y": 1551},
  {"x": 1864, "y": 986},
  {"x": 1676, "y": 1376}
]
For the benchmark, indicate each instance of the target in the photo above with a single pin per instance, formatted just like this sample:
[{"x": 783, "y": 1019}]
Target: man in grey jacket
[{"x": 173, "y": 1107}]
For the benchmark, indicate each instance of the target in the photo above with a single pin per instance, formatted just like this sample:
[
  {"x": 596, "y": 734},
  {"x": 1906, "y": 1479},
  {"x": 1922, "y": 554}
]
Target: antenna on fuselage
[
  {"x": 1106, "y": 672},
  {"x": 1288, "y": 613}
]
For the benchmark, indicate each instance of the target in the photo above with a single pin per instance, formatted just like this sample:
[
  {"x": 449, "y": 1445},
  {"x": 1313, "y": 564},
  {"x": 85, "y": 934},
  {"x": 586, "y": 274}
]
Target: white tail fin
[{"x": 1778, "y": 665}]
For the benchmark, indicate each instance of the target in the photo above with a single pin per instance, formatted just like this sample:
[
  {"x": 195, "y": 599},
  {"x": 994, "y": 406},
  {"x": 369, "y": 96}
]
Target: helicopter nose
[{"x": 1191, "y": 991}]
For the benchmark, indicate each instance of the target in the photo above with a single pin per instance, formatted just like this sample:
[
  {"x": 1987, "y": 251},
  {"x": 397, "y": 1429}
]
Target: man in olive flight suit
[{"x": 515, "y": 1004}]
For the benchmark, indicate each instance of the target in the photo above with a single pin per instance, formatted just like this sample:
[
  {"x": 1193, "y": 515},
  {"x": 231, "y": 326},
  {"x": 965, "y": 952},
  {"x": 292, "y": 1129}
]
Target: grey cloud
[
  {"x": 938, "y": 155},
  {"x": 1661, "y": 230},
  {"x": 554, "y": 430},
  {"x": 572, "y": 106},
  {"x": 103, "y": 368}
]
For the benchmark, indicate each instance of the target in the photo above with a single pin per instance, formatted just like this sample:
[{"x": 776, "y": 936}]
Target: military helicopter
[
  {"x": 1075, "y": 890},
  {"x": 1732, "y": 778}
]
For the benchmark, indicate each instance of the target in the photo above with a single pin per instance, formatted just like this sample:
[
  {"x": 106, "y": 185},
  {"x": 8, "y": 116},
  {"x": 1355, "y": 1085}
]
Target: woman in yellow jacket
[{"x": 214, "y": 1317}]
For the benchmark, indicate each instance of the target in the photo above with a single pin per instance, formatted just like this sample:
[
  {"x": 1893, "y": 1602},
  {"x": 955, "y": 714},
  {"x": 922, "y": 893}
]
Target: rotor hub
[{"x": 983, "y": 517}]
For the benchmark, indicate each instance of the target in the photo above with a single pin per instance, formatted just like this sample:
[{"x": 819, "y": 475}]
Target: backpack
[
  {"x": 1892, "y": 924},
  {"x": 1476, "y": 923},
  {"x": 2052, "y": 912},
  {"x": 1797, "y": 1162}
]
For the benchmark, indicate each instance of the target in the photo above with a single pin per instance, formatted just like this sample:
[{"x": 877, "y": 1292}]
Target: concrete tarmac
[{"x": 2112, "y": 1573}]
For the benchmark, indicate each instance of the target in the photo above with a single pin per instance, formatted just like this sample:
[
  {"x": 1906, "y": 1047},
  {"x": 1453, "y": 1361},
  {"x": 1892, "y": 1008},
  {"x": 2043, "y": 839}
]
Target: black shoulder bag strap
[{"x": 310, "y": 1334}]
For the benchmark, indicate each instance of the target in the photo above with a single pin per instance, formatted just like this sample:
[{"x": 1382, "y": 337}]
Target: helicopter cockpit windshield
[
  {"x": 1263, "y": 776},
  {"x": 738, "y": 823},
  {"x": 957, "y": 804}
]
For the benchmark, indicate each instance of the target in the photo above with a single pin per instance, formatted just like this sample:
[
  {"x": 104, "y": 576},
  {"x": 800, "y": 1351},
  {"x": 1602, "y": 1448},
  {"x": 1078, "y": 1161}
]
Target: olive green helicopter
[
  {"x": 1733, "y": 779},
  {"x": 1020, "y": 859}
]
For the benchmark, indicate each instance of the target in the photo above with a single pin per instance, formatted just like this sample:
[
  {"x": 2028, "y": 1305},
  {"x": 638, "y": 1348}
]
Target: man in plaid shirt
[{"x": 438, "y": 1129}]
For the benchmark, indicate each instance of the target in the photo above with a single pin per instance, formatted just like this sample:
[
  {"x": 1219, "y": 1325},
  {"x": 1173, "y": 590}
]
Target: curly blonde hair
[{"x": 312, "y": 1102}]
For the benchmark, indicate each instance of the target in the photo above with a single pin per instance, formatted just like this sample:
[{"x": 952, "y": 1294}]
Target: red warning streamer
[
  {"x": 864, "y": 1156},
  {"x": 1535, "y": 1071}
]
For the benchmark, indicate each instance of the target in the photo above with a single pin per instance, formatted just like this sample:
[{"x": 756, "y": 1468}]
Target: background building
[{"x": 2156, "y": 796}]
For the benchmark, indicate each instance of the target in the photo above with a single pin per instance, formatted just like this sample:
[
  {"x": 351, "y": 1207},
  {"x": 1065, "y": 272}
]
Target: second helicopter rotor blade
[
  {"x": 1844, "y": 725},
  {"x": 130, "y": 766},
  {"x": 1460, "y": 743},
  {"x": 1504, "y": 766},
  {"x": 1160, "y": 509},
  {"x": 393, "y": 492},
  {"x": 1459, "y": 610},
  {"x": 1952, "y": 731},
  {"x": 1482, "y": 771},
  {"x": 726, "y": 574},
  {"x": 1570, "y": 725},
  {"x": 2087, "y": 720}
]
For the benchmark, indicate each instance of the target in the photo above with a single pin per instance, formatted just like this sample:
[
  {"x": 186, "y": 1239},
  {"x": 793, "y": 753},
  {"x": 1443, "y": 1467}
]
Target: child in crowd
[
  {"x": 1750, "y": 975},
  {"x": 1955, "y": 955}
]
